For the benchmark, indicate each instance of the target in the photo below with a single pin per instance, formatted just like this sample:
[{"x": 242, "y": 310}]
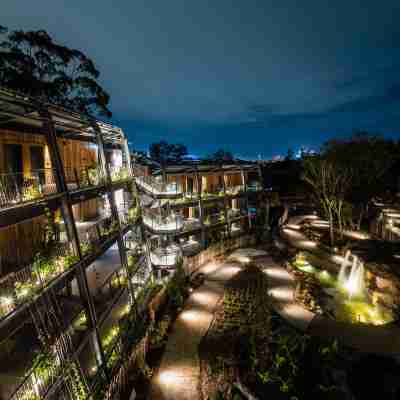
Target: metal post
[
  {"x": 68, "y": 215},
  {"x": 114, "y": 209}
]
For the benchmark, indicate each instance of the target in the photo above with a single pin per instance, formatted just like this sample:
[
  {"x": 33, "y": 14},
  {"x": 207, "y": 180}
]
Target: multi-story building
[
  {"x": 72, "y": 269},
  {"x": 186, "y": 207}
]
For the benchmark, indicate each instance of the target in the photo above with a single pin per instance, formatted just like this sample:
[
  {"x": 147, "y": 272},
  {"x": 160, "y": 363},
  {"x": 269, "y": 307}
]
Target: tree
[
  {"x": 221, "y": 155},
  {"x": 369, "y": 157},
  {"x": 165, "y": 153},
  {"x": 289, "y": 155},
  {"x": 32, "y": 63},
  {"x": 330, "y": 184}
]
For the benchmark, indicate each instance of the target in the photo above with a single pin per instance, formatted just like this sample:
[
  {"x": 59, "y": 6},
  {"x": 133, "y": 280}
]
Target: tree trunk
[{"x": 331, "y": 228}]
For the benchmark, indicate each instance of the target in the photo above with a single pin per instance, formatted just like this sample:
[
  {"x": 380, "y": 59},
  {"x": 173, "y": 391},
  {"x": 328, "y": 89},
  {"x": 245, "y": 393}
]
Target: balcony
[
  {"x": 166, "y": 257},
  {"x": 234, "y": 190},
  {"x": 83, "y": 178},
  {"x": 119, "y": 173},
  {"x": 18, "y": 188},
  {"x": 167, "y": 223},
  {"x": 190, "y": 247},
  {"x": 22, "y": 286},
  {"x": 254, "y": 186},
  {"x": 92, "y": 234},
  {"x": 154, "y": 186},
  {"x": 213, "y": 219}
]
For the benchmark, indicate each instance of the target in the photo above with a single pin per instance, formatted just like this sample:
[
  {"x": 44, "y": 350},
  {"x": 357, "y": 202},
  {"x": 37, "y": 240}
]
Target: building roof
[{"x": 18, "y": 110}]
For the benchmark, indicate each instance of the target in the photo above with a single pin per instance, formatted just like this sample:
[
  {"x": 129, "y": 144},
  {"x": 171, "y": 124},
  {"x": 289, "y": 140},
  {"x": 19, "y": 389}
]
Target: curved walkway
[{"x": 178, "y": 375}]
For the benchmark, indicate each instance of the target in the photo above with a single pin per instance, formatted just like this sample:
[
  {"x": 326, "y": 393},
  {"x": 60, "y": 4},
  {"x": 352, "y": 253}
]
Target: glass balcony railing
[
  {"x": 152, "y": 185},
  {"x": 162, "y": 221},
  {"x": 166, "y": 256},
  {"x": 21, "y": 187},
  {"x": 22, "y": 286}
]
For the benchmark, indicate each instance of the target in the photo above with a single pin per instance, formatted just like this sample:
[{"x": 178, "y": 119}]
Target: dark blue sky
[{"x": 255, "y": 77}]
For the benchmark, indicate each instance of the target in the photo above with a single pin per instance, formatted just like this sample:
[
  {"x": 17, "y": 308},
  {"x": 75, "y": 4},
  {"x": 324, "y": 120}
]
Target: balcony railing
[
  {"x": 234, "y": 190},
  {"x": 97, "y": 233},
  {"x": 19, "y": 187},
  {"x": 119, "y": 173},
  {"x": 150, "y": 184},
  {"x": 166, "y": 256},
  {"x": 22, "y": 286},
  {"x": 162, "y": 221},
  {"x": 254, "y": 186},
  {"x": 84, "y": 177},
  {"x": 140, "y": 269},
  {"x": 112, "y": 285},
  {"x": 213, "y": 219}
]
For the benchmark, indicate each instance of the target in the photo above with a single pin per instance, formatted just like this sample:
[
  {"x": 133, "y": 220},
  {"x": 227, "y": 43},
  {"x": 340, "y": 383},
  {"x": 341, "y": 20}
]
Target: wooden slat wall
[{"x": 18, "y": 243}]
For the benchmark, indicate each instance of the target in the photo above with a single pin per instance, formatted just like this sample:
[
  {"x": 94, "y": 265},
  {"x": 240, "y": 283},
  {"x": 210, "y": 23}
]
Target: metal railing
[
  {"x": 213, "y": 219},
  {"x": 161, "y": 220},
  {"x": 154, "y": 186},
  {"x": 166, "y": 256},
  {"x": 254, "y": 186},
  {"x": 22, "y": 286},
  {"x": 45, "y": 372},
  {"x": 84, "y": 177},
  {"x": 119, "y": 173},
  {"x": 97, "y": 233},
  {"x": 21, "y": 187},
  {"x": 113, "y": 284},
  {"x": 234, "y": 190}
]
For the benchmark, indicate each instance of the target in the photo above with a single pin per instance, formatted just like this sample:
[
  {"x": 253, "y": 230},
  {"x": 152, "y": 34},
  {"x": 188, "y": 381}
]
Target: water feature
[{"x": 351, "y": 276}]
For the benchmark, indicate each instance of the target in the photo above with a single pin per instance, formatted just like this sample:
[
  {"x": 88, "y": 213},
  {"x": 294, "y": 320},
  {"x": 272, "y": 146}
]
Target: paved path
[{"x": 178, "y": 375}]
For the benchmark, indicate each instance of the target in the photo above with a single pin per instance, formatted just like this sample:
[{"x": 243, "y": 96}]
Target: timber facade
[{"x": 72, "y": 265}]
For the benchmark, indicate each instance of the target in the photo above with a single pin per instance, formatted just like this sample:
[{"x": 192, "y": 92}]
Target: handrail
[
  {"x": 149, "y": 183},
  {"x": 23, "y": 285},
  {"x": 84, "y": 177},
  {"x": 162, "y": 220},
  {"x": 22, "y": 187}
]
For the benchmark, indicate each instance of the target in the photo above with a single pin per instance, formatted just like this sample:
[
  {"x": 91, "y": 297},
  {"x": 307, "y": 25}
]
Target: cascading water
[
  {"x": 355, "y": 284},
  {"x": 342, "y": 277},
  {"x": 352, "y": 279}
]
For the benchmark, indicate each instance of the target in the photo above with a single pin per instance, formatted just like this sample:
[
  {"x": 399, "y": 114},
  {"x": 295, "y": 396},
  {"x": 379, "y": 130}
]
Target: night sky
[{"x": 254, "y": 77}]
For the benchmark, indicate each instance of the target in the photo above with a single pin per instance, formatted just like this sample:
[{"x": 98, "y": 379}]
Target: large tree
[
  {"x": 369, "y": 157},
  {"x": 221, "y": 155},
  {"x": 330, "y": 184},
  {"x": 166, "y": 153},
  {"x": 31, "y": 62}
]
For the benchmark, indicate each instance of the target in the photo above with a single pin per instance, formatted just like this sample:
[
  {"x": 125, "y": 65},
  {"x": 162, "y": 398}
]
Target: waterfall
[
  {"x": 352, "y": 279},
  {"x": 342, "y": 277}
]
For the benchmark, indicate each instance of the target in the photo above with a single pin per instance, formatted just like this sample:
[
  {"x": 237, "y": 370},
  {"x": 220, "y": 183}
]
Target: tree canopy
[
  {"x": 220, "y": 155},
  {"x": 166, "y": 153},
  {"x": 31, "y": 62}
]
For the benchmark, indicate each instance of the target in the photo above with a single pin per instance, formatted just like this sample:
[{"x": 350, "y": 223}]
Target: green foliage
[
  {"x": 164, "y": 152},
  {"x": 32, "y": 63},
  {"x": 176, "y": 287},
  {"x": 220, "y": 156},
  {"x": 78, "y": 386}
]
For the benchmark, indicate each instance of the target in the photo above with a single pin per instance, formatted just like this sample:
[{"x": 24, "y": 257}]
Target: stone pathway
[{"x": 178, "y": 374}]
